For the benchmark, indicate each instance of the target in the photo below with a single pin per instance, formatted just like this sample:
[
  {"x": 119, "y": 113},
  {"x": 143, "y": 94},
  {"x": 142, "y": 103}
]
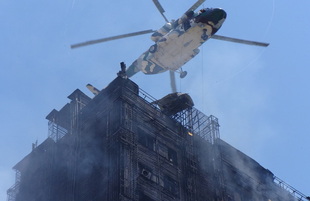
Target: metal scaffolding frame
[
  {"x": 191, "y": 118},
  {"x": 55, "y": 131},
  {"x": 198, "y": 123},
  {"x": 13, "y": 191}
]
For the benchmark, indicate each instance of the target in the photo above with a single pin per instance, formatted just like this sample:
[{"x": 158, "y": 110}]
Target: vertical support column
[
  {"x": 218, "y": 173},
  {"x": 190, "y": 170}
]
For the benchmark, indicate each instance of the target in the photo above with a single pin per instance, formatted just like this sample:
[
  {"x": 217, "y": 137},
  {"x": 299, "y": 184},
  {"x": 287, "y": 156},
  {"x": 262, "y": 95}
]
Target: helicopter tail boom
[{"x": 132, "y": 69}]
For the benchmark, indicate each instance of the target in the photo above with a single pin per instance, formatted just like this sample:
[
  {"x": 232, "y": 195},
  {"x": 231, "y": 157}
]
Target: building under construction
[{"x": 123, "y": 145}]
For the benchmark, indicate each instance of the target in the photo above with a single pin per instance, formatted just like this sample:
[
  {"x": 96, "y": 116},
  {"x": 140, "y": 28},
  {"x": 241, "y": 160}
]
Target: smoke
[
  {"x": 6, "y": 178},
  {"x": 237, "y": 175},
  {"x": 231, "y": 87}
]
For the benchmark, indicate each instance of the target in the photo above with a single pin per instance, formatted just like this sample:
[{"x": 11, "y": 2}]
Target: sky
[{"x": 260, "y": 95}]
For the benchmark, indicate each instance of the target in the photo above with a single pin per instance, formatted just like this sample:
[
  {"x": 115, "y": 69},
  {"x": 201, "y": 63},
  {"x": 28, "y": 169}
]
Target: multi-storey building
[{"x": 123, "y": 145}]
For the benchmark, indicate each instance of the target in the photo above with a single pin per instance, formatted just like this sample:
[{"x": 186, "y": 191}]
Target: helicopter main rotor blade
[
  {"x": 196, "y": 5},
  {"x": 91, "y": 42},
  {"x": 236, "y": 40},
  {"x": 160, "y": 9},
  {"x": 172, "y": 81}
]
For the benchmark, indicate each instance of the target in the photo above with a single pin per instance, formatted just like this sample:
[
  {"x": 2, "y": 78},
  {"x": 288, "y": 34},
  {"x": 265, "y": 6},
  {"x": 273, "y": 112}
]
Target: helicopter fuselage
[{"x": 177, "y": 42}]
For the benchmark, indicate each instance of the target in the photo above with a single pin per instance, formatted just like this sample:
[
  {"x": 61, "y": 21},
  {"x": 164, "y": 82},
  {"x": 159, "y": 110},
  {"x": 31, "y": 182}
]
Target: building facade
[{"x": 121, "y": 146}]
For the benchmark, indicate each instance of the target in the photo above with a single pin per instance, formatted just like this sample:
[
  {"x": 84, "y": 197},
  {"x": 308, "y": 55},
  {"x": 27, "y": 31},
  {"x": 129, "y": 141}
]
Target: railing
[
  {"x": 297, "y": 194},
  {"x": 146, "y": 96}
]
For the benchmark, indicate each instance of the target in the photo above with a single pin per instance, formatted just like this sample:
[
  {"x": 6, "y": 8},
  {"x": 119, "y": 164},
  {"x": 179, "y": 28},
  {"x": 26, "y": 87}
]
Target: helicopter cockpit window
[{"x": 202, "y": 11}]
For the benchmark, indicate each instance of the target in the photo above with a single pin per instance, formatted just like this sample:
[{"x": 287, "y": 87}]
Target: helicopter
[{"x": 177, "y": 41}]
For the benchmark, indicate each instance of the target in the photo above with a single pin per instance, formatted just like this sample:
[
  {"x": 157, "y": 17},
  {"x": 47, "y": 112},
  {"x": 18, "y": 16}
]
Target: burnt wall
[{"x": 121, "y": 147}]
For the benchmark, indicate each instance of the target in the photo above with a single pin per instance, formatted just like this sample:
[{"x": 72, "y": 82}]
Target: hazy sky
[{"x": 260, "y": 95}]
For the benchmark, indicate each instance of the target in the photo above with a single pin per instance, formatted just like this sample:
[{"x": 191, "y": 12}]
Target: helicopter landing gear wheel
[
  {"x": 183, "y": 74},
  {"x": 153, "y": 48}
]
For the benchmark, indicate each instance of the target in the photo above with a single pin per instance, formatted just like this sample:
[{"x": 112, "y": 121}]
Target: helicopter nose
[
  {"x": 212, "y": 16},
  {"x": 217, "y": 16}
]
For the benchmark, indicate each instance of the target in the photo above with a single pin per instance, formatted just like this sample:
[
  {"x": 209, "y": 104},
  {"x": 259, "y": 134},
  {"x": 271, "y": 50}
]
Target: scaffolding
[
  {"x": 62, "y": 122},
  {"x": 55, "y": 131},
  {"x": 200, "y": 124},
  {"x": 192, "y": 119},
  {"x": 13, "y": 191}
]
